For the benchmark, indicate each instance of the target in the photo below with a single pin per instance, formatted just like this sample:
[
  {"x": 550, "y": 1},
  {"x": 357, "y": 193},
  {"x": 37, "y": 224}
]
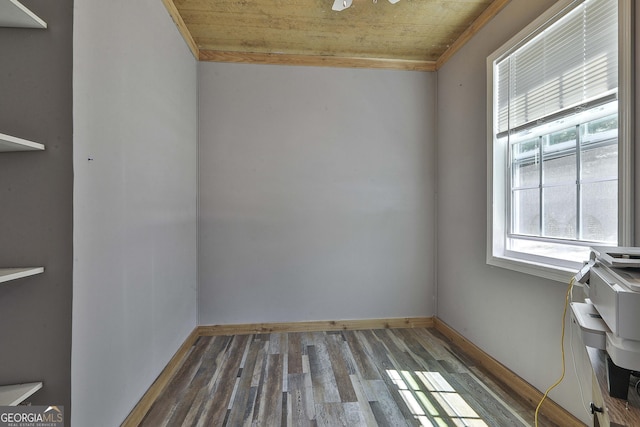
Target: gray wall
[
  {"x": 36, "y": 203},
  {"x": 316, "y": 193},
  {"x": 512, "y": 316},
  {"x": 135, "y": 102}
]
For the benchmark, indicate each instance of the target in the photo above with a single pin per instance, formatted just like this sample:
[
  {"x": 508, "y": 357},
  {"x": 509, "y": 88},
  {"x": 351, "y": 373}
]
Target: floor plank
[
  {"x": 340, "y": 368},
  {"x": 388, "y": 377},
  {"x": 244, "y": 399},
  {"x": 361, "y": 359},
  {"x": 270, "y": 409},
  {"x": 325, "y": 387}
]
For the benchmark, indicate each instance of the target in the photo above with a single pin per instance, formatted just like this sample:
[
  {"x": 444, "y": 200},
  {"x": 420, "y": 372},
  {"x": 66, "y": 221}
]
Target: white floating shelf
[
  {"x": 14, "y": 394},
  {"x": 11, "y": 143},
  {"x": 7, "y": 274},
  {"x": 15, "y": 14}
]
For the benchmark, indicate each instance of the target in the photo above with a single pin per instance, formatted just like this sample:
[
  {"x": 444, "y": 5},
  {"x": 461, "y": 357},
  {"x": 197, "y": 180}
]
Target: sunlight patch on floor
[{"x": 440, "y": 405}]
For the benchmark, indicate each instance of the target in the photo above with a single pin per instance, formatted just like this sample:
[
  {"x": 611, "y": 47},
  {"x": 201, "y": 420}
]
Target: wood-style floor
[{"x": 386, "y": 377}]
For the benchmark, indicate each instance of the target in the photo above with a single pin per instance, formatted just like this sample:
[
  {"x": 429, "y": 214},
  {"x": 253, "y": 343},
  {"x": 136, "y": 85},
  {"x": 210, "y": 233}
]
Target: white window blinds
[{"x": 565, "y": 67}]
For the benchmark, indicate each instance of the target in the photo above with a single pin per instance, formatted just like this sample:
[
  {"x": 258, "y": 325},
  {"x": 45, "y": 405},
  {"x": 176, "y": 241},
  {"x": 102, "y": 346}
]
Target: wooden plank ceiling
[{"x": 410, "y": 35}]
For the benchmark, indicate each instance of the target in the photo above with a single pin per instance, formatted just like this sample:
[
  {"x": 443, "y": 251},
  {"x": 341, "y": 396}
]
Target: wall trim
[
  {"x": 315, "y": 60},
  {"x": 554, "y": 412},
  {"x": 139, "y": 411},
  {"x": 550, "y": 409},
  {"x": 317, "y": 326}
]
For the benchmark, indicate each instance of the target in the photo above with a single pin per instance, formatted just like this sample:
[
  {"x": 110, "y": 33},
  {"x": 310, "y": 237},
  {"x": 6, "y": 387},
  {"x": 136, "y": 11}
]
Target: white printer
[{"x": 609, "y": 318}]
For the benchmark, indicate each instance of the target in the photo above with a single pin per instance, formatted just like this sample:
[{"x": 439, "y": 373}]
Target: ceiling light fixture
[{"x": 339, "y": 5}]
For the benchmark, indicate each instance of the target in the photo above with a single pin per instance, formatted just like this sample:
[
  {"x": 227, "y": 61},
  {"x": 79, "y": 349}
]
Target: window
[{"x": 558, "y": 139}]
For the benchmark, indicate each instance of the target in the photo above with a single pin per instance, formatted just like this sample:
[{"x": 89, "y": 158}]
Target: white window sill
[{"x": 546, "y": 271}]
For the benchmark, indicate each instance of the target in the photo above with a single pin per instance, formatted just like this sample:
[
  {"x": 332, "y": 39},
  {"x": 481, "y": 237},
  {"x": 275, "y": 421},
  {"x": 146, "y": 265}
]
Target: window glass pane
[
  {"x": 525, "y": 164},
  {"x": 600, "y": 162},
  {"x": 526, "y": 212},
  {"x": 599, "y": 152},
  {"x": 559, "y": 212},
  {"x": 559, "y": 154},
  {"x": 600, "y": 211}
]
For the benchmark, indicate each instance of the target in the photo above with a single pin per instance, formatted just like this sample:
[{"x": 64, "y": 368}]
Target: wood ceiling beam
[{"x": 315, "y": 60}]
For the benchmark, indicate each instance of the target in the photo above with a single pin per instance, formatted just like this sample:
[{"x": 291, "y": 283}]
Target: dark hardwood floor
[{"x": 385, "y": 377}]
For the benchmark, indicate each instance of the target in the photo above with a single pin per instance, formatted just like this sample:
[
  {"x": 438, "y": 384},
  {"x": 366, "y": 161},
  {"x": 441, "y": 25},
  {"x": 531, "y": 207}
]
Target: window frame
[{"x": 497, "y": 158}]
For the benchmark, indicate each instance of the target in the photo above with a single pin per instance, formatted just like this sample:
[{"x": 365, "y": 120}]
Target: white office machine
[{"x": 609, "y": 318}]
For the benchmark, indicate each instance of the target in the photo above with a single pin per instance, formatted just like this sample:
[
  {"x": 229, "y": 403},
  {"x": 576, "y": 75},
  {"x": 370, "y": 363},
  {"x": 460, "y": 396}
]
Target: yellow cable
[{"x": 564, "y": 316}]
